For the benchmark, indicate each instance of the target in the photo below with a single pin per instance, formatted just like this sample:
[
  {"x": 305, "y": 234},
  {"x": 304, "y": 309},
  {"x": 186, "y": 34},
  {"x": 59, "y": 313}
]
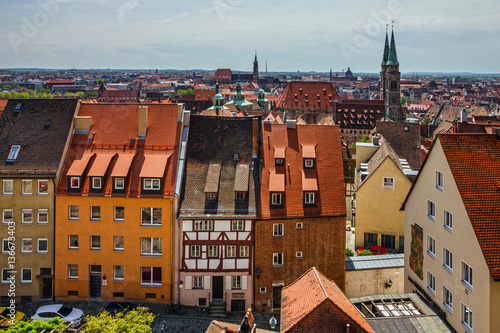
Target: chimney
[
  {"x": 143, "y": 121},
  {"x": 291, "y": 124},
  {"x": 497, "y": 132},
  {"x": 375, "y": 140},
  {"x": 463, "y": 115}
]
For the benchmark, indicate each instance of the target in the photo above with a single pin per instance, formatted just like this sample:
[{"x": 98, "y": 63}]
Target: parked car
[
  {"x": 114, "y": 307},
  {"x": 6, "y": 320},
  {"x": 66, "y": 313},
  {"x": 374, "y": 249}
]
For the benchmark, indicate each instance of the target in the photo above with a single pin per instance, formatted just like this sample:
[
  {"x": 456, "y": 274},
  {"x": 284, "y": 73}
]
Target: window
[
  {"x": 73, "y": 271},
  {"x": 151, "y": 184},
  {"x": 237, "y": 225},
  {"x": 197, "y": 282},
  {"x": 8, "y": 216},
  {"x": 439, "y": 180},
  {"x": 96, "y": 182},
  {"x": 42, "y": 245},
  {"x": 431, "y": 283},
  {"x": 236, "y": 282},
  {"x": 240, "y": 196},
  {"x": 6, "y": 245},
  {"x": 448, "y": 299},
  {"x": 231, "y": 251},
  {"x": 14, "y": 150},
  {"x": 309, "y": 198},
  {"x": 75, "y": 182},
  {"x": 200, "y": 225},
  {"x": 118, "y": 273},
  {"x": 73, "y": 241},
  {"x": 279, "y": 161},
  {"x": 73, "y": 212},
  {"x": 150, "y": 216},
  {"x": 119, "y": 183},
  {"x": 151, "y": 245},
  {"x": 6, "y": 275},
  {"x": 151, "y": 275},
  {"x": 431, "y": 246},
  {"x": 276, "y": 199},
  {"x": 27, "y": 187},
  {"x": 119, "y": 213},
  {"x": 431, "y": 209},
  {"x": 467, "y": 275},
  {"x": 8, "y": 187},
  {"x": 43, "y": 187},
  {"x": 26, "y": 275},
  {"x": 448, "y": 220},
  {"x": 278, "y": 229},
  {"x": 213, "y": 250},
  {"x": 467, "y": 317},
  {"x": 299, "y": 226},
  {"x": 118, "y": 243},
  {"x": 210, "y": 196},
  {"x": 388, "y": 182},
  {"x": 195, "y": 251},
  {"x": 308, "y": 163},
  {"x": 95, "y": 242},
  {"x": 244, "y": 251},
  {"x": 27, "y": 216},
  {"x": 298, "y": 254},
  {"x": 43, "y": 216},
  {"x": 447, "y": 259},
  {"x": 95, "y": 213},
  {"x": 277, "y": 259},
  {"x": 370, "y": 239},
  {"x": 26, "y": 245},
  {"x": 263, "y": 290}
]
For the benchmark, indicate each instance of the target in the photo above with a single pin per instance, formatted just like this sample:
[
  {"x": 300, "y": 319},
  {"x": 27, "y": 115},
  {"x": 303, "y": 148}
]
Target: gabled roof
[
  {"x": 308, "y": 95},
  {"x": 41, "y": 129},
  {"x": 222, "y": 74},
  {"x": 304, "y": 296}
]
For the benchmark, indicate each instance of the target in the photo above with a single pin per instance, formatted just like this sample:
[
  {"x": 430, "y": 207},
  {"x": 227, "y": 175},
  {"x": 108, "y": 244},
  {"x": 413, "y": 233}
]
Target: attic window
[
  {"x": 210, "y": 196},
  {"x": 47, "y": 124},
  {"x": 279, "y": 161},
  {"x": 236, "y": 156},
  {"x": 14, "y": 150},
  {"x": 90, "y": 141},
  {"x": 18, "y": 107},
  {"x": 132, "y": 141},
  {"x": 308, "y": 163}
]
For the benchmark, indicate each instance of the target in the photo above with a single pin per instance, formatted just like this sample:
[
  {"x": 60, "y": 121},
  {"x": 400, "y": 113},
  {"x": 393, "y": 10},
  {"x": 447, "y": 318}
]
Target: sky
[{"x": 291, "y": 35}]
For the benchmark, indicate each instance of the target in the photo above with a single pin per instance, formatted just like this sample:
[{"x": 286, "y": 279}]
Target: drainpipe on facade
[
  {"x": 171, "y": 250},
  {"x": 54, "y": 242}
]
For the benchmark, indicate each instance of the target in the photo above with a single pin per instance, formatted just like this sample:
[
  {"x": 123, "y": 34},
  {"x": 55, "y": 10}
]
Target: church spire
[
  {"x": 393, "y": 55},
  {"x": 385, "y": 58}
]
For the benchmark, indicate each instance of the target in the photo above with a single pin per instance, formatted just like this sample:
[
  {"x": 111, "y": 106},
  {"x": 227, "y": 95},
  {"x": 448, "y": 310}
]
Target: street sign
[
  {"x": 104, "y": 282},
  {"x": 104, "y": 277}
]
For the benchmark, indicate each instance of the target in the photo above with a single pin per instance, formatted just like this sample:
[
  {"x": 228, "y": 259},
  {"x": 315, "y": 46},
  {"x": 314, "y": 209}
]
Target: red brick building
[{"x": 302, "y": 209}]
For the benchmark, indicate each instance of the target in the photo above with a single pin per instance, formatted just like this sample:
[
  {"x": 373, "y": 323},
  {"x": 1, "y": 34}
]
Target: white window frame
[
  {"x": 198, "y": 282},
  {"x": 236, "y": 282},
  {"x": 26, "y": 181},
  {"x": 75, "y": 247},
  {"x": 97, "y": 182},
  {"x": 117, "y": 248},
  {"x": 92, "y": 247},
  {"x": 309, "y": 198},
  {"x": 431, "y": 246},
  {"x": 22, "y": 275},
  {"x": 152, "y": 242},
  {"x": 42, "y": 212},
  {"x": 154, "y": 184},
  {"x": 447, "y": 299},
  {"x": 5, "y": 249},
  {"x": 467, "y": 317},
  {"x": 244, "y": 251},
  {"x": 448, "y": 259},
  {"x": 71, "y": 182},
  {"x": 8, "y": 270},
  {"x": 117, "y": 182},
  {"x": 298, "y": 255},
  {"x": 263, "y": 290},
  {"x": 151, "y": 212},
  {"x": 448, "y": 220},
  {"x": 30, "y": 213},
  {"x": 431, "y": 283},
  {"x": 278, "y": 259},
  {"x": 97, "y": 208},
  {"x": 71, "y": 269},
  {"x": 388, "y": 182},
  {"x": 308, "y": 163},
  {"x": 195, "y": 251},
  {"x": 279, "y": 161},
  {"x": 4, "y": 220},
  {"x": 115, "y": 215},
  {"x": 203, "y": 225},
  {"x": 467, "y": 275},
  {"x": 151, "y": 283},
  {"x": 278, "y": 230},
  {"x": 431, "y": 210},
  {"x": 238, "y": 225},
  {"x": 276, "y": 199},
  {"x": 210, "y": 196},
  {"x": 25, "y": 240},
  {"x": 14, "y": 151},
  {"x": 240, "y": 196},
  {"x": 70, "y": 207},
  {"x": 213, "y": 251},
  {"x": 231, "y": 251},
  {"x": 118, "y": 278},
  {"x": 38, "y": 245},
  {"x": 439, "y": 180},
  {"x": 4, "y": 187},
  {"x": 299, "y": 225},
  {"x": 39, "y": 186}
]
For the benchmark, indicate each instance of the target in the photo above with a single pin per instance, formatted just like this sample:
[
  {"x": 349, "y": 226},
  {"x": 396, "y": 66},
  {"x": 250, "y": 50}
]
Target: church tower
[
  {"x": 390, "y": 80},
  {"x": 255, "y": 75}
]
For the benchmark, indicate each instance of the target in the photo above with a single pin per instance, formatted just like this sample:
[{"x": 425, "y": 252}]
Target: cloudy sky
[{"x": 292, "y": 35}]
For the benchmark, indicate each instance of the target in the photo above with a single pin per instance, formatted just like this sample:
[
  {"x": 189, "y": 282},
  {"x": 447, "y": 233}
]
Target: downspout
[
  {"x": 54, "y": 242},
  {"x": 171, "y": 249}
]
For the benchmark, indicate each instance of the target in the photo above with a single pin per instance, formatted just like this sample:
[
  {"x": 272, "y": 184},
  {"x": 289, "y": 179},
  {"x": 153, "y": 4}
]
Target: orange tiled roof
[
  {"x": 222, "y": 74},
  {"x": 204, "y": 95},
  {"x": 474, "y": 162},
  {"x": 305, "y": 296},
  {"x": 308, "y": 95},
  {"x": 329, "y": 170}
]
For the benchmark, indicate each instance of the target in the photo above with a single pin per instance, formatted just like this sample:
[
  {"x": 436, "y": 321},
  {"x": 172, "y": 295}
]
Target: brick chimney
[{"x": 143, "y": 121}]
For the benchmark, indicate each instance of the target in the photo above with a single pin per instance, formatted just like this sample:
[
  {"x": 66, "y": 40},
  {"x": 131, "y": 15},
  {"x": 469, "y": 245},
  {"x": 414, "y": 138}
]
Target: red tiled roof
[
  {"x": 78, "y": 166},
  {"x": 474, "y": 160},
  {"x": 308, "y": 95},
  {"x": 122, "y": 165},
  {"x": 307, "y": 293},
  {"x": 222, "y": 73},
  {"x": 328, "y": 169},
  {"x": 59, "y": 82},
  {"x": 100, "y": 165},
  {"x": 204, "y": 95}
]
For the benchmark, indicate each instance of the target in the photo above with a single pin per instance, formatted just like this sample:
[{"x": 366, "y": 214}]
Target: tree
[
  {"x": 8, "y": 87},
  {"x": 349, "y": 253},
  {"x": 364, "y": 253},
  {"x": 365, "y": 139},
  {"x": 138, "y": 320},
  {"x": 54, "y": 325},
  {"x": 427, "y": 121},
  {"x": 267, "y": 88},
  {"x": 404, "y": 100}
]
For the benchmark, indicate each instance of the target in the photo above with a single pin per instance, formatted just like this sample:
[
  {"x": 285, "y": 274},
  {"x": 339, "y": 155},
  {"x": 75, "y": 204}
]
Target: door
[
  {"x": 218, "y": 287},
  {"x": 95, "y": 281},
  {"x": 47, "y": 287},
  {"x": 277, "y": 298}
]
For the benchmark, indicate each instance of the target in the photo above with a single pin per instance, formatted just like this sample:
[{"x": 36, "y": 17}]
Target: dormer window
[
  {"x": 119, "y": 183},
  {"x": 74, "y": 182},
  {"x": 309, "y": 163},
  {"x": 309, "y": 198},
  {"x": 96, "y": 182},
  {"x": 240, "y": 195},
  {"x": 210, "y": 196},
  {"x": 14, "y": 150},
  {"x": 276, "y": 199},
  {"x": 279, "y": 161},
  {"x": 151, "y": 184}
]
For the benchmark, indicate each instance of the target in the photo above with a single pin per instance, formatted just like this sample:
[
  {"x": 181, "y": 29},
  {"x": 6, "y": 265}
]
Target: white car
[{"x": 66, "y": 313}]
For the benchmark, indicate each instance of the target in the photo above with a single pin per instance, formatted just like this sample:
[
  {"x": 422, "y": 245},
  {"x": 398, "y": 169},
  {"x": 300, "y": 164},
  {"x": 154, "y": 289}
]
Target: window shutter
[
  {"x": 244, "y": 282},
  {"x": 206, "y": 283},
  {"x": 189, "y": 282},
  {"x": 228, "y": 283}
]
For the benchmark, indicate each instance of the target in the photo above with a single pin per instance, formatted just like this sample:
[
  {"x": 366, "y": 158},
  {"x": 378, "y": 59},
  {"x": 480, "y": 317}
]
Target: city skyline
[{"x": 291, "y": 36}]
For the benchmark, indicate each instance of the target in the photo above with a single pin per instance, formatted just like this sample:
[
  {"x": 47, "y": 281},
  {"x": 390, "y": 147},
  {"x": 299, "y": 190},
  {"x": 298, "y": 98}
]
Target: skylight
[
  {"x": 18, "y": 107},
  {"x": 14, "y": 150}
]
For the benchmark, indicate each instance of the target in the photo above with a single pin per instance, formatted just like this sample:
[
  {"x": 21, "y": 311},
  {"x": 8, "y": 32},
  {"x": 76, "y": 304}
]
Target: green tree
[
  {"x": 404, "y": 100},
  {"x": 54, "y": 325},
  {"x": 365, "y": 138},
  {"x": 349, "y": 253},
  {"x": 98, "y": 81},
  {"x": 427, "y": 121},
  {"x": 138, "y": 321},
  {"x": 8, "y": 87},
  {"x": 364, "y": 253},
  {"x": 267, "y": 88},
  {"x": 189, "y": 91}
]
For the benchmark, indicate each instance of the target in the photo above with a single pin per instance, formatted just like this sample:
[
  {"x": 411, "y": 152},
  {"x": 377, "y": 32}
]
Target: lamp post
[
  {"x": 273, "y": 322},
  {"x": 258, "y": 272}
]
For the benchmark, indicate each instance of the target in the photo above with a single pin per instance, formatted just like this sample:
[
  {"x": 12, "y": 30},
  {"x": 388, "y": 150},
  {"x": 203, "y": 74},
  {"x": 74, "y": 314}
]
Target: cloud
[{"x": 126, "y": 8}]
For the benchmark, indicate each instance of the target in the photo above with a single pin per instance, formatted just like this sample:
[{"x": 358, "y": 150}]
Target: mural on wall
[{"x": 417, "y": 250}]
